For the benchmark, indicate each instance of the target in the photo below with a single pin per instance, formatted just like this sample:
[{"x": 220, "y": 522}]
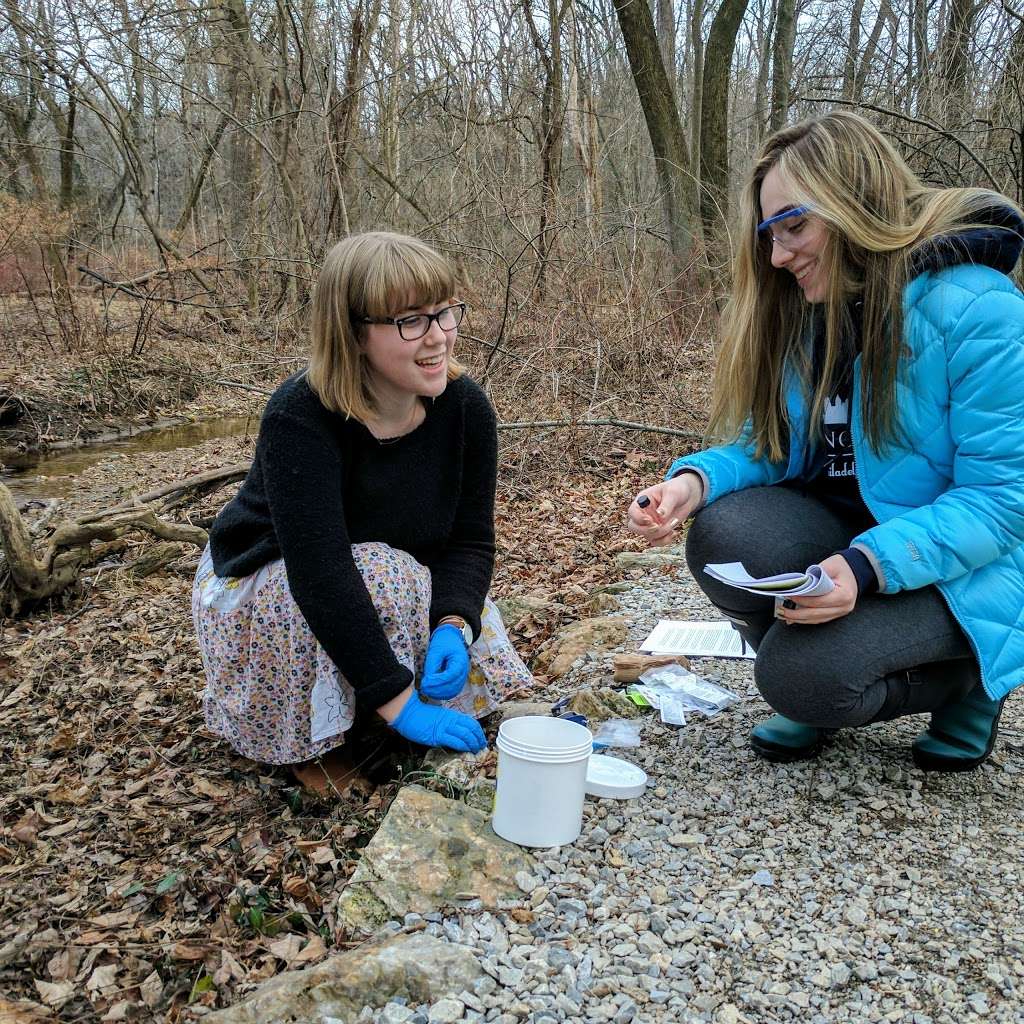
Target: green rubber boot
[
  {"x": 782, "y": 740},
  {"x": 961, "y": 735}
]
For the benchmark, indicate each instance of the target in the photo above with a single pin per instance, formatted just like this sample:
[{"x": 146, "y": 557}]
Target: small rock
[
  {"x": 762, "y": 877},
  {"x": 687, "y": 839},
  {"x": 526, "y": 881},
  {"x": 395, "y": 1013},
  {"x": 856, "y": 915},
  {"x": 446, "y": 1011},
  {"x": 840, "y": 975},
  {"x": 510, "y": 977}
]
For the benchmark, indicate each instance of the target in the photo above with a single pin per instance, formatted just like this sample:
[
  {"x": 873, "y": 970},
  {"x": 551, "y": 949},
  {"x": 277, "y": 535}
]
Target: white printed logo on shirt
[{"x": 839, "y": 460}]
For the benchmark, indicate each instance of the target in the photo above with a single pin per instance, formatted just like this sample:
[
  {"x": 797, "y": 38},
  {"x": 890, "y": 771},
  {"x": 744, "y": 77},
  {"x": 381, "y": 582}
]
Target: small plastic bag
[
  {"x": 673, "y": 710},
  {"x": 617, "y": 732},
  {"x": 691, "y": 691}
]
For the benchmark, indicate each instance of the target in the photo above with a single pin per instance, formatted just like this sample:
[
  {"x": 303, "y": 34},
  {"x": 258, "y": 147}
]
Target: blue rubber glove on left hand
[{"x": 447, "y": 665}]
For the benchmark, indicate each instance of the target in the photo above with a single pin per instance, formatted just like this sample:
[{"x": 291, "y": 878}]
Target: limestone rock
[
  {"x": 471, "y": 776},
  {"x": 461, "y": 768},
  {"x": 428, "y": 851},
  {"x": 603, "y": 703},
  {"x": 514, "y": 609},
  {"x": 418, "y": 967},
  {"x": 583, "y": 637},
  {"x": 601, "y": 603},
  {"x": 522, "y": 709},
  {"x": 653, "y": 558}
]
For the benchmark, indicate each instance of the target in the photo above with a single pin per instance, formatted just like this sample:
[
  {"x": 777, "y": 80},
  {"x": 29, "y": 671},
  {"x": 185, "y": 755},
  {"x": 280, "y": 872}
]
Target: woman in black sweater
[{"x": 356, "y": 557}]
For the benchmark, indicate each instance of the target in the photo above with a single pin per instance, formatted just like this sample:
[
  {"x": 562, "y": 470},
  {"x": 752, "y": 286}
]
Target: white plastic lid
[{"x": 611, "y": 776}]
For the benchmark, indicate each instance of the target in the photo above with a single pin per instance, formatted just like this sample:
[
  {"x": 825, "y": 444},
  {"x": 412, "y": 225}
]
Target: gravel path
[{"x": 851, "y": 888}]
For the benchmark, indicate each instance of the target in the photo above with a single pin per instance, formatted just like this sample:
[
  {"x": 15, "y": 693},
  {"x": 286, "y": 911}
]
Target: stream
[{"x": 40, "y": 476}]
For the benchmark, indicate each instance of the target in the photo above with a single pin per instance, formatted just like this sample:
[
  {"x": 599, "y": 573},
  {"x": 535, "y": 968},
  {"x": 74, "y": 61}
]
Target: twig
[
  {"x": 154, "y": 298},
  {"x": 624, "y": 424},
  {"x": 909, "y": 119}
]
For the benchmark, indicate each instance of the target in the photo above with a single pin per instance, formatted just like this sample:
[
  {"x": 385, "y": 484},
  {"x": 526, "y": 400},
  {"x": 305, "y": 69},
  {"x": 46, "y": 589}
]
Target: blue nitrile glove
[
  {"x": 447, "y": 666},
  {"x": 438, "y": 727}
]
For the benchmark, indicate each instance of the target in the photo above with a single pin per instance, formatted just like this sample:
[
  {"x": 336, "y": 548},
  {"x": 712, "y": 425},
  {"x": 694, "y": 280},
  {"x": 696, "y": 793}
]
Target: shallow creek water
[{"x": 54, "y": 474}]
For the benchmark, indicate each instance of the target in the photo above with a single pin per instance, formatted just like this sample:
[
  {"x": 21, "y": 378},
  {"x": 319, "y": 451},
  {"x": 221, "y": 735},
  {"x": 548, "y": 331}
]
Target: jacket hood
[{"x": 997, "y": 243}]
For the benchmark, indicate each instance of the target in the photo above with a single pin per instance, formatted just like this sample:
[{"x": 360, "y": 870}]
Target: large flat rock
[
  {"x": 429, "y": 852},
  {"x": 419, "y": 967}
]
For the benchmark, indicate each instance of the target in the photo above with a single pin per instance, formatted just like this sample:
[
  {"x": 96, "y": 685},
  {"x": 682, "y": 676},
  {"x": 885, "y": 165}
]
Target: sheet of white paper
[{"x": 714, "y": 639}]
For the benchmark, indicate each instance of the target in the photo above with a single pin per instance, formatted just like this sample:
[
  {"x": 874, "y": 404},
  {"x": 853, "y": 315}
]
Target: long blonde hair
[
  {"x": 373, "y": 274},
  {"x": 877, "y": 212}
]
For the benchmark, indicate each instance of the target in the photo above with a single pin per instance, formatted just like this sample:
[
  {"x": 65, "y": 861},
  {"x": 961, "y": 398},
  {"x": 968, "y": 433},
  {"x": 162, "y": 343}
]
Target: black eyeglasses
[{"x": 414, "y": 327}]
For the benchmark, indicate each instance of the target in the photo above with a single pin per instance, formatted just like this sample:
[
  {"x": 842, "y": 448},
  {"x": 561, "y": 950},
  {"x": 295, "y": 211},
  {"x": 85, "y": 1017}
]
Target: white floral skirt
[{"x": 271, "y": 690}]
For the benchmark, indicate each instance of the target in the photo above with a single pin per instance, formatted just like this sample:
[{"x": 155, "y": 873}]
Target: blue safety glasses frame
[{"x": 782, "y": 237}]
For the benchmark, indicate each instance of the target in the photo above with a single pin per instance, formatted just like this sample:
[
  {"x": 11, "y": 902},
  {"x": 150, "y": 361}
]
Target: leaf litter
[{"x": 146, "y": 872}]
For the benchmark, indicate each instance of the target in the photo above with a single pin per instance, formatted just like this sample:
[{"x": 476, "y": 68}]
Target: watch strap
[{"x": 461, "y": 625}]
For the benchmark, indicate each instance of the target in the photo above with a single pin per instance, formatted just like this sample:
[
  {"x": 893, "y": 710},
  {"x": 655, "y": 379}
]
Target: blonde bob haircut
[
  {"x": 877, "y": 213},
  {"x": 375, "y": 274}
]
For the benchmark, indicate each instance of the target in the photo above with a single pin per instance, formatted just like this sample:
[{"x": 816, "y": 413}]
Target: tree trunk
[
  {"x": 714, "y": 122},
  {"x": 657, "y": 99},
  {"x": 666, "y": 13},
  {"x": 697, "y": 100},
  {"x": 782, "y": 62},
  {"x": 852, "y": 51},
  {"x": 953, "y": 64}
]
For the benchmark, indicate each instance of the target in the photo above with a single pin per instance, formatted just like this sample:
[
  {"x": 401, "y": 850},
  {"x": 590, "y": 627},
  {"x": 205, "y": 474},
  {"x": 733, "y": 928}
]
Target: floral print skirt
[{"x": 271, "y": 690}]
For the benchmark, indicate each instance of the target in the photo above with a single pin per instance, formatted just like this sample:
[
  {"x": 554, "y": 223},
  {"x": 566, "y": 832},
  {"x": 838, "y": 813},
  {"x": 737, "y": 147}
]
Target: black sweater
[{"x": 320, "y": 483}]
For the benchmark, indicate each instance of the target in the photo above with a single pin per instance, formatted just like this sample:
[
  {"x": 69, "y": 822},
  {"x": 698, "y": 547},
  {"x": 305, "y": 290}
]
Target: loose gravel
[{"x": 851, "y": 888}]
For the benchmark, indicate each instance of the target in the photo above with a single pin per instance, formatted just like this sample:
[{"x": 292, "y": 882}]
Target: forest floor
[
  {"x": 138, "y": 855},
  {"x": 144, "y": 869}
]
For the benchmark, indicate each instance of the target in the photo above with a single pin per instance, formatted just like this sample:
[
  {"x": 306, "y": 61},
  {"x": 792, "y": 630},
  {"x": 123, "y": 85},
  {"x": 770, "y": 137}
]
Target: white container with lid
[{"x": 542, "y": 770}]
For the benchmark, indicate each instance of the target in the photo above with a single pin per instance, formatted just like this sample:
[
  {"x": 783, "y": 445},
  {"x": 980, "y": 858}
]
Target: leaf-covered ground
[{"x": 145, "y": 871}]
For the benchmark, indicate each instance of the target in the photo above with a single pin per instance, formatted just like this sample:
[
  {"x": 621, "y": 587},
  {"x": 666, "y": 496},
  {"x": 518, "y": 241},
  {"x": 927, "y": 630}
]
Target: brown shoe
[{"x": 333, "y": 774}]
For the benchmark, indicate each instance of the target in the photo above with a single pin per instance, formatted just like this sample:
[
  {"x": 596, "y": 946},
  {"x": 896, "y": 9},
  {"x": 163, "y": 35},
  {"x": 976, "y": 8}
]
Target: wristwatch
[{"x": 462, "y": 625}]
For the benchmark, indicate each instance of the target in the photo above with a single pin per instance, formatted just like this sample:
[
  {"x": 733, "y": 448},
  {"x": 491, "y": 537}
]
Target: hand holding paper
[
  {"x": 824, "y": 592},
  {"x": 810, "y": 583}
]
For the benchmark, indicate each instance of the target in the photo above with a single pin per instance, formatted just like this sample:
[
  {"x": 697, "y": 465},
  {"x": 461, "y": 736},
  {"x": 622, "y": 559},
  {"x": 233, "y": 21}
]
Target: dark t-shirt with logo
[{"x": 833, "y": 467}]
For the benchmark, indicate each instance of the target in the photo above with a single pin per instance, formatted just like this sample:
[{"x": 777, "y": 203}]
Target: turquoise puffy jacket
[{"x": 949, "y": 497}]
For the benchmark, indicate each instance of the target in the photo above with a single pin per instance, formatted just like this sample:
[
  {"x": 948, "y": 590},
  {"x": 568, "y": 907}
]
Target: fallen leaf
[
  {"x": 23, "y": 1012},
  {"x": 184, "y": 951},
  {"x": 296, "y": 886},
  {"x": 26, "y": 828},
  {"x": 101, "y": 978},
  {"x": 151, "y": 989},
  {"x": 313, "y": 950},
  {"x": 286, "y": 948},
  {"x": 55, "y": 993},
  {"x": 121, "y": 1010},
  {"x": 120, "y": 919}
]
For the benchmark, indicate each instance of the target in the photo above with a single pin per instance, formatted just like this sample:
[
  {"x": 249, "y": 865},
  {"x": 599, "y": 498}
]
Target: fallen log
[{"x": 72, "y": 546}]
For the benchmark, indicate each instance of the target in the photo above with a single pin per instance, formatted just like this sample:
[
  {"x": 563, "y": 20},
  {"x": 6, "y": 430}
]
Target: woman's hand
[
  {"x": 670, "y": 503},
  {"x": 811, "y": 611},
  {"x": 447, "y": 665},
  {"x": 430, "y": 725}
]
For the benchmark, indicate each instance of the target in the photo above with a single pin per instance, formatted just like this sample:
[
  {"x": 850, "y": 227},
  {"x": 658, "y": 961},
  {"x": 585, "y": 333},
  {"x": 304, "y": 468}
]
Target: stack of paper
[
  {"x": 811, "y": 583},
  {"x": 716, "y": 639}
]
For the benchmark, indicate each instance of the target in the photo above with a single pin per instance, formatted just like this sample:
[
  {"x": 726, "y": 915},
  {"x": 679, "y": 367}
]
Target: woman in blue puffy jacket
[{"x": 870, "y": 387}]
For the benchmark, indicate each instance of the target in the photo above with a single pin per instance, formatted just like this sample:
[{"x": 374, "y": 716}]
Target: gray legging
[{"x": 893, "y": 655}]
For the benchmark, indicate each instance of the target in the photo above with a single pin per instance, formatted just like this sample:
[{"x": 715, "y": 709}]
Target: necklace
[{"x": 407, "y": 427}]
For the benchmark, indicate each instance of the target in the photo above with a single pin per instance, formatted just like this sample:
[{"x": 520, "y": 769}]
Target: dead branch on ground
[{"x": 27, "y": 576}]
